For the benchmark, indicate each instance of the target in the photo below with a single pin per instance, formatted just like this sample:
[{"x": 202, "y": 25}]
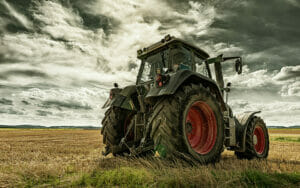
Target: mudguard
[
  {"x": 124, "y": 99},
  {"x": 178, "y": 78},
  {"x": 242, "y": 122},
  {"x": 128, "y": 90}
]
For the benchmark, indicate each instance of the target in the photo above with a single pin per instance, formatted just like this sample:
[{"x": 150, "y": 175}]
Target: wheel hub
[
  {"x": 201, "y": 127},
  {"x": 259, "y": 140},
  {"x": 254, "y": 139},
  {"x": 188, "y": 127}
]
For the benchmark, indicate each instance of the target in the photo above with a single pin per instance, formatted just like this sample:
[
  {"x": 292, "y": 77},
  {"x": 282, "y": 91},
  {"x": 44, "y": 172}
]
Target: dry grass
[
  {"x": 73, "y": 158},
  {"x": 284, "y": 131},
  {"x": 46, "y": 153}
]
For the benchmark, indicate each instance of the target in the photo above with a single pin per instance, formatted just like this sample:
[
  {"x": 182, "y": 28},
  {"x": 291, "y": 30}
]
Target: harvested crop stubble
[{"x": 73, "y": 158}]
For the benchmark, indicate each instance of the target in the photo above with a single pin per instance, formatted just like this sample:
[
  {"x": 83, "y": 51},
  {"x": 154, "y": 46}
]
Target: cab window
[
  {"x": 200, "y": 66},
  {"x": 181, "y": 59}
]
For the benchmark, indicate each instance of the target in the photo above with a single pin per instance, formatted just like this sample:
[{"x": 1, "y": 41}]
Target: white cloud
[
  {"x": 61, "y": 22},
  {"x": 253, "y": 79},
  {"x": 133, "y": 32},
  {"x": 274, "y": 113},
  {"x": 77, "y": 106},
  {"x": 291, "y": 89},
  {"x": 262, "y": 90},
  {"x": 291, "y": 73}
]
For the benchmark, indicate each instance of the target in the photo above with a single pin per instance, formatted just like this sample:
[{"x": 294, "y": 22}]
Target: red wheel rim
[
  {"x": 259, "y": 140},
  {"x": 202, "y": 121}
]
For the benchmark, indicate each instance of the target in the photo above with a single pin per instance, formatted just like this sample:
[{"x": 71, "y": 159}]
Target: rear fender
[
  {"x": 242, "y": 122},
  {"x": 112, "y": 94},
  {"x": 180, "y": 78},
  {"x": 124, "y": 99}
]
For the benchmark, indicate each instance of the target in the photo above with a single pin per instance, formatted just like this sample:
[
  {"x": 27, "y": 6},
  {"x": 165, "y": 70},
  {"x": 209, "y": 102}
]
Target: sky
[{"x": 59, "y": 58}]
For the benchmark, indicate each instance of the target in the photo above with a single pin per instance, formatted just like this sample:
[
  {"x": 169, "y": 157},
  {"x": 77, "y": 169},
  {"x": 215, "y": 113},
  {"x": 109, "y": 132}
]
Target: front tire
[
  {"x": 257, "y": 140},
  {"x": 189, "y": 123}
]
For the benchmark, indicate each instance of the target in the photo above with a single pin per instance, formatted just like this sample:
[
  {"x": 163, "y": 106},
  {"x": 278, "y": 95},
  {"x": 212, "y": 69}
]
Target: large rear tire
[
  {"x": 189, "y": 123},
  {"x": 257, "y": 140},
  {"x": 114, "y": 125}
]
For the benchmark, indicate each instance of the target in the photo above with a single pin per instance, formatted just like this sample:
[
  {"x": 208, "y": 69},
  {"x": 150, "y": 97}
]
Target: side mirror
[
  {"x": 227, "y": 88},
  {"x": 238, "y": 65}
]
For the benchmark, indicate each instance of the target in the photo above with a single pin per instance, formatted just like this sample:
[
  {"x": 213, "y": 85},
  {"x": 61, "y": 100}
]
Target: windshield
[{"x": 151, "y": 65}]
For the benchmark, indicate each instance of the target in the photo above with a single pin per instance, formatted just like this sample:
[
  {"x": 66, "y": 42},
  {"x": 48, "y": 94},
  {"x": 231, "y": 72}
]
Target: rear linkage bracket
[{"x": 144, "y": 145}]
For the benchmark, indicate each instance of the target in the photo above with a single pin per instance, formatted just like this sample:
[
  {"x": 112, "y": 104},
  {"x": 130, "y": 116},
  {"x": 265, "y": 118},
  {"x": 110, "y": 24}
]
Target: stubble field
[{"x": 72, "y": 158}]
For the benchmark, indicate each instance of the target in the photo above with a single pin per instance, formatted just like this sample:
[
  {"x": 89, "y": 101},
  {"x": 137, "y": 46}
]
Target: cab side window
[{"x": 200, "y": 66}]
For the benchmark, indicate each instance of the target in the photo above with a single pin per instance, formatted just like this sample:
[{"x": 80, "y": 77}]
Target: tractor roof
[{"x": 165, "y": 42}]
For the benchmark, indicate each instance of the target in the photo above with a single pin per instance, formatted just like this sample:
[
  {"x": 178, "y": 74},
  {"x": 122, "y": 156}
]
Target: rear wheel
[
  {"x": 189, "y": 123},
  {"x": 114, "y": 125},
  {"x": 257, "y": 140}
]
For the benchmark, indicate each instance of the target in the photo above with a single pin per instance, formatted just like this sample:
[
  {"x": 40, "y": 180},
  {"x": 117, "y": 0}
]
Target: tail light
[
  {"x": 111, "y": 94},
  {"x": 161, "y": 79}
]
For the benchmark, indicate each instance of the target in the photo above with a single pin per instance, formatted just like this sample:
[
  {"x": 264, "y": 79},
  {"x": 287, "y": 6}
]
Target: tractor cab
[
  {"x": 171, "y": 55},
  {"x": 168, "y": 56}
]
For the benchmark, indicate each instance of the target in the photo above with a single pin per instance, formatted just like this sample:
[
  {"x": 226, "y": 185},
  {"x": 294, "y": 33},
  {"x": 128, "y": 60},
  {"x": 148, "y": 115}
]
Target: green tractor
[{"x": 177, "y": 109}]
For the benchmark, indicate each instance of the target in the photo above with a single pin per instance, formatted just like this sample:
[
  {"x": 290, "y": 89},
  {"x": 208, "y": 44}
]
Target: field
[{"x": 72, "y": 158}]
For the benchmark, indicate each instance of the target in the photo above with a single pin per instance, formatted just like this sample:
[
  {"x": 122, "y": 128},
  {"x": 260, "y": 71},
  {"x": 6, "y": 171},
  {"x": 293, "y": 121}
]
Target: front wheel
[{"x": 257, "y": 140}]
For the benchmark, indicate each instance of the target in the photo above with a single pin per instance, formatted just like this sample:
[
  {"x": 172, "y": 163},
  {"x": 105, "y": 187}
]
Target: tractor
[{"x": 178, "y": 109}]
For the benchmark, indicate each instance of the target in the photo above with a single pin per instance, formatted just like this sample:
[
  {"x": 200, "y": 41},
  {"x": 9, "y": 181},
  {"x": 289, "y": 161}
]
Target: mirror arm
[
  {"x": 227, "y": 90},
  {"x": 229, "y": 58},
  {"x": 221, "y": 59}
]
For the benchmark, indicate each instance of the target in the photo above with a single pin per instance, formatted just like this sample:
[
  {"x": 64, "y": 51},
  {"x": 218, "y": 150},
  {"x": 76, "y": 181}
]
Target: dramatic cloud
[
  {"x": 5, "y": 101},
  {"x": 59, "y": 58},
  {"x": 288, "y": 72}
]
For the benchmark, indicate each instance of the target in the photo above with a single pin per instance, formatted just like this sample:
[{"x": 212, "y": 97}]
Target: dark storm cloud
[
  {"x": 5, "y": 101},
  {"x": 255, "y": 20},
  {"x": 24, "y": 73},
  {"x": 25, "y": 102},
  {"x": 98, "y": 21},
  {"x": 257, "y": 26},
  {"x": 19, "y": 86},
  {"x": 16, "y": 15},
  {"x": 266, "y": 34},
  {"x": 7, "y": 60},
  {"x": 10, "y": 111},
  {"x": 43, "y": 113},
  {"x": 61, "y": 104}
]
